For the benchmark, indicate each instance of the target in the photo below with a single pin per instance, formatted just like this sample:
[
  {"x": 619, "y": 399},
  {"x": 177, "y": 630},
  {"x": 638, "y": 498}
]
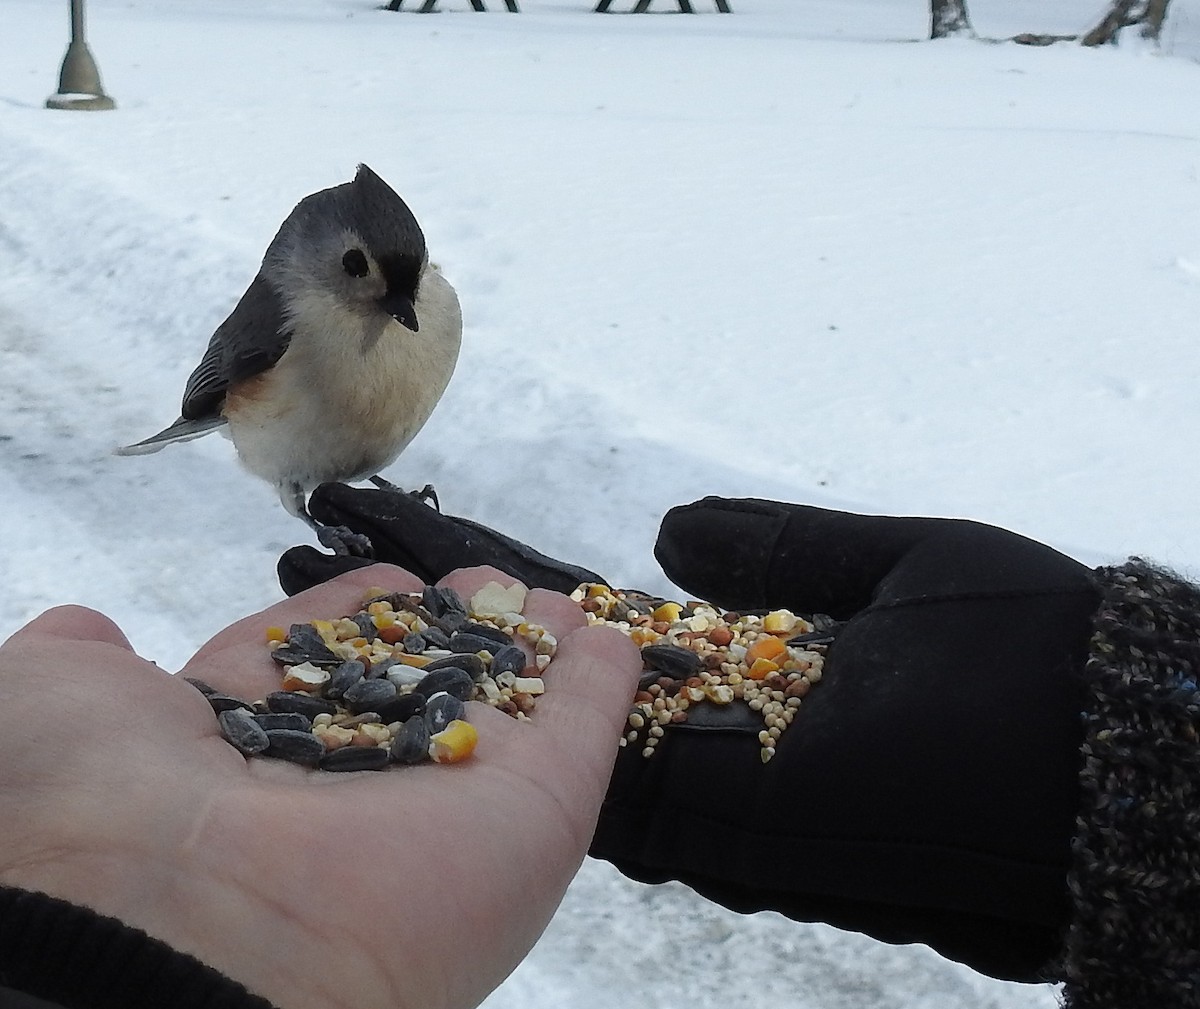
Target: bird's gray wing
[{"x": 246, "y": 344}]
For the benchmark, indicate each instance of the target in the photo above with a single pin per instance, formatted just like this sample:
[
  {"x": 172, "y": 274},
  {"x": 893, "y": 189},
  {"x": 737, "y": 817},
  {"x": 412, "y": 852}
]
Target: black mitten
[
  {"x": 404, "y": 530},
  {"x": 929, "y": 787}
]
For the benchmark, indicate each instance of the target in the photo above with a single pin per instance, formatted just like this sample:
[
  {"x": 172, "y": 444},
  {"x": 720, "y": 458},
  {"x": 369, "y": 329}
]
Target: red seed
[{"x": 720, "y": 636}]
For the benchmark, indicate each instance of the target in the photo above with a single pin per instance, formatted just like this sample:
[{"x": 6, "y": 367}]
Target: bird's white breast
[{"x": 350, "y": 392}]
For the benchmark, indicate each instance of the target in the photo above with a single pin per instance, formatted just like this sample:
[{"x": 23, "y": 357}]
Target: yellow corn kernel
[
  {"x": 420, "y": 661},
  {"x": 598, "y": 589},
  {"x": 643, "y": 636},
  {"x": 668, "y": 612},
  {"x": 766, "y": 648},
  {"x": 779, "y": 622},
  {"x": 347, "y": 629},
  {"x": 379, "y": 607},
  {"x": 325, "y": 629},
  {"x": 383, "y": 619},
  {"x": 276, "y": 634},
  {"x": 761, "y": 669},
  {"x": 454, "y": 743}
]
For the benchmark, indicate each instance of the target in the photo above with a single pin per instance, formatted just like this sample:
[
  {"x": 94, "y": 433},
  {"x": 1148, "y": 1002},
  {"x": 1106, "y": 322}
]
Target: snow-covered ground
[{"x": 789, "y": 252}]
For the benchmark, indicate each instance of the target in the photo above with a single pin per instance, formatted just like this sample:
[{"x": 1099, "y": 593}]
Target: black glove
[
  {"x": 406, "y": 531},
  {"x": 928, "y": 790}
]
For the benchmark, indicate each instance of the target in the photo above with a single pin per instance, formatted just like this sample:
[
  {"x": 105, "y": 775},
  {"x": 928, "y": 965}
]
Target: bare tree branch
[
  {"x": 1150, "y": 14},
  {"x": 1156, "y": 14}
]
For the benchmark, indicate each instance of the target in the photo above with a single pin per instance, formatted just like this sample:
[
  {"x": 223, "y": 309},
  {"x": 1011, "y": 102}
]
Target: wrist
[
  {"x": 73, "y": 957},
  {"x": 1136, "y": 858}
]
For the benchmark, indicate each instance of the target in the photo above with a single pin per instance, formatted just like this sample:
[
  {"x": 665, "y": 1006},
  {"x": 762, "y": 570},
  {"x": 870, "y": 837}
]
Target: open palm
[{"x": 414, "y": 887}]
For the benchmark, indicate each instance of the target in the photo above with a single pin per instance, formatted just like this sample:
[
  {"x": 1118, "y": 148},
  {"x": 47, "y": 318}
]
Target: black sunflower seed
[
  {"x": 441, "y": 601},
  {"x": 239, "y": 727},
  {"x": 368, "y": 695},
  {"x": 355, "y": 758},
  {"x": 472, "y": 663},
  {"x": 401, "y": 708},
  {"x": 284, "y": 720},
  {"x": 672, "y": 660},
  {"x": 305, "y": 644},
  {"x": 224, "y": 702},
  {"x": 509, "y": 659},
  {"x": 450, "y": 680},
  {"x": 342, "y": 678},
  {"x": 441, "y": 710},
  {"x": 290, "y": 700},
  {"x": 411, "y": 744},
  {"x": 298, "y": 747}
]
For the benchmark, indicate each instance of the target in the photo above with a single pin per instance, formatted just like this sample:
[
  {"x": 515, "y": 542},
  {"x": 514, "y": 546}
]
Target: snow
[{"x": 789, "y": 252}]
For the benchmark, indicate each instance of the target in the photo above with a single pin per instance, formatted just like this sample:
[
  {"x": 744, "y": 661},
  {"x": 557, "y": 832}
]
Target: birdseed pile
[{"x": 388, "y": 684}]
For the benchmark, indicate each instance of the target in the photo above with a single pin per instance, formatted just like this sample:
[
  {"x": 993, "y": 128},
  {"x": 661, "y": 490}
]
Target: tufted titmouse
[{"x": 336, "y": 354}]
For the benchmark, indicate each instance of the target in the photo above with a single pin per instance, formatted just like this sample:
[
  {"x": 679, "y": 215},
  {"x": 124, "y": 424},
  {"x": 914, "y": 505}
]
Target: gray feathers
[
  {"x": 249, "y": 342},
  {"x": 182, "y": 430},
  {"x": 368, "y": 207}
]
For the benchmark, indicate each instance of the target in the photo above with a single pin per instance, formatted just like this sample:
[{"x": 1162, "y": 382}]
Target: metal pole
[{"x": 79, "y": 82}]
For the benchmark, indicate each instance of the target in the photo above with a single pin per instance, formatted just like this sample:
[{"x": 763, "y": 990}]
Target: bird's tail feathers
[{"x": 182, "y": 430}]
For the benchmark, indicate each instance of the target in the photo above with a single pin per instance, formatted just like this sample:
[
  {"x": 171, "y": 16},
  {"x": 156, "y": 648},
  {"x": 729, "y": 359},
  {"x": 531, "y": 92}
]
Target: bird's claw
[
  {"x": 345, "y": 542},
  {"x": 428, "y": 495},
  {"x": 425, "y": 495}
]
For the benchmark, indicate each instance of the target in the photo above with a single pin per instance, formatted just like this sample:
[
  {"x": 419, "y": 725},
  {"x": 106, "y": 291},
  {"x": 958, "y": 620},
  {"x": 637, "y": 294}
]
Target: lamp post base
[
  {"x": 79, "y": 82},
  {"x": 83, "y": 103}
]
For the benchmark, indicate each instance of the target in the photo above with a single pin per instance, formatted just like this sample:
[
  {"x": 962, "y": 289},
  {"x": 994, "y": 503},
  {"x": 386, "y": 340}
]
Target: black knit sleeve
[
  {"x": 70, "y": 956},
  {"x": 1134, "y": 939}
]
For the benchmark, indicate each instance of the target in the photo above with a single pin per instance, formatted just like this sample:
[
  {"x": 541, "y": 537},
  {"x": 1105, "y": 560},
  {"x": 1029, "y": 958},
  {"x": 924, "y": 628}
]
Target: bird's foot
[
  {"x": 344, "y": 542},
  {"x": 429, "y": 496},
  {"x": 426, "y": 494}
]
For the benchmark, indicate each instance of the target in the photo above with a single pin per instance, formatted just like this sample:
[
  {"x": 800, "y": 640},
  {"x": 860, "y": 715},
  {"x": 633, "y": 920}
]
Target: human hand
[
  {"x": 928, "y": 789},
  {"x": 415, "y": 887}
]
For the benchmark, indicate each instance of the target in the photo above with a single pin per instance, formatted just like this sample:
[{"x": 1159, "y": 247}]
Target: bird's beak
[{"x": 400, "y": 307}]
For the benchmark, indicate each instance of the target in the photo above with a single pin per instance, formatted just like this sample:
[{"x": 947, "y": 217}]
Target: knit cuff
[
  {"x": 1134, "y": 939},
  {"x": 73, "y": 957}
]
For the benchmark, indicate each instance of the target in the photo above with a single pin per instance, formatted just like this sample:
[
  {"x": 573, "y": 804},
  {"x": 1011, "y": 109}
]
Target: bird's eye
[{"x": 355, "y": 263}]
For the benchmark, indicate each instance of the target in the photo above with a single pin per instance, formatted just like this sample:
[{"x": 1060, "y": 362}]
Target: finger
[
  {"x": 589, "y": 687},
  {"x": 578, "y": 721},
  {"x": 69, "y": 640},
  {"x": 407, "y": 532},
  {"x": 237, "y": 660},
  {"x": 74, "y": 623},
  {"x": 752, "y": 554},
  {"x": 554, "y": 611},
  {"x": 303, "y": 567}
]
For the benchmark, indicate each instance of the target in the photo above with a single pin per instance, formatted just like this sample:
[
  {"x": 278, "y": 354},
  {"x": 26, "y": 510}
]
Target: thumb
[
  {"x": 745, "y": 553},
  {"x": 74, "y": 623}
]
